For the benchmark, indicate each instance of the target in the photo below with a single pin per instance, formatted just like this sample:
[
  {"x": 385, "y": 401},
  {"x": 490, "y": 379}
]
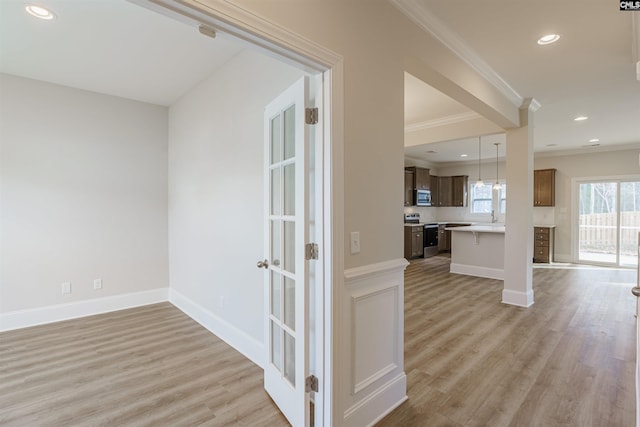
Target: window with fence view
[{"x": 609, "y": 222}]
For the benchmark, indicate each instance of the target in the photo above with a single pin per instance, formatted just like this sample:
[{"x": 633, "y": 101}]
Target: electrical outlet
[
  {"x": 97, "y": 283},
  {"x": 221, "y": 301},
  {"x": 66, "y": 288}
]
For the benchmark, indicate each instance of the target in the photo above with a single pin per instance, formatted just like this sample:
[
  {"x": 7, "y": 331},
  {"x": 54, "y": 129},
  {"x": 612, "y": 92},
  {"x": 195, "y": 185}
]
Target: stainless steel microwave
[{"x": 423, "y": 197}]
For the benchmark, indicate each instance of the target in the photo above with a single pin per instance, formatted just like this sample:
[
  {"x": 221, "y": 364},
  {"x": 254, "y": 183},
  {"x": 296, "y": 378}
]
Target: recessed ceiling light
[
  {"x": 464, "y": 155},
  {"x": 548, "y": 39},
  {"x": 39, "y": 12},
  {"x": 432, "y": 152},
  {"x": 594, "y": 140},
  {"x": 551, "y": 145},
  {"x": 591, "y": 145},
  {"x": 580, "y": 118}
]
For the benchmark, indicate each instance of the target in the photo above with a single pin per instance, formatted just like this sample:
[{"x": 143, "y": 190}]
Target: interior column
[{"x": 518, "y": 258}]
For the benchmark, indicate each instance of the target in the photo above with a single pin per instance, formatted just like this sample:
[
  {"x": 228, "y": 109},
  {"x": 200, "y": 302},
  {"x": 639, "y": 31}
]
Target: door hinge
[
  {"x": 311, "y": 251},
  {"x": 311, "y": 116},
  {"x": 311, "y": 384}
]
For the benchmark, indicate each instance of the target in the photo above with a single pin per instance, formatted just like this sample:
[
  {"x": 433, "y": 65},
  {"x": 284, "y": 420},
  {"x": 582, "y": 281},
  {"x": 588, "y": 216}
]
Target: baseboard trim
[
  {"x": 474, "y": 270},
  {"x": 55, "y": 313},
  {"x": 389, "y": 396},
  {"x": 520, "y": 299},
  {"x": 251, "y": 348}
]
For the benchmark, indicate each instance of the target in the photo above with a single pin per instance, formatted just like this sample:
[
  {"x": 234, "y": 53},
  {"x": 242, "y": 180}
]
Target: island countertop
[{"x": 479, "y": 228}]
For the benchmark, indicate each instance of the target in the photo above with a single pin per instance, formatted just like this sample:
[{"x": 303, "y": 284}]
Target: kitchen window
[{"x": 484, "y": 199}]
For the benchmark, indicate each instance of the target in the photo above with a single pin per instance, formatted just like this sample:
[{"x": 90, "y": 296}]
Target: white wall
[
  {"x": 216, "y": 194},
  {"x": 83, "y": 195}
]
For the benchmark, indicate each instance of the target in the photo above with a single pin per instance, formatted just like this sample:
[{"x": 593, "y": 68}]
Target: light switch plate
[
  {"x": 355, "y": 242},
  {"x": 66, "y": 288}
]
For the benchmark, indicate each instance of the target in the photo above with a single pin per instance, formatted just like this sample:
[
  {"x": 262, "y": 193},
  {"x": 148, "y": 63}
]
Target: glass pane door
[{"x": 609, "y": 222}]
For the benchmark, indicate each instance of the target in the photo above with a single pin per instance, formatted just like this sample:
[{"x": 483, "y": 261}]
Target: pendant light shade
[
  {"x": 479, "y": 182},
  {"x": 497, "y": 185}
]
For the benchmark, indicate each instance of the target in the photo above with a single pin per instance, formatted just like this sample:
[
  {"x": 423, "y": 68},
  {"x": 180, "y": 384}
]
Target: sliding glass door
[{"x": 608, "y": 222}]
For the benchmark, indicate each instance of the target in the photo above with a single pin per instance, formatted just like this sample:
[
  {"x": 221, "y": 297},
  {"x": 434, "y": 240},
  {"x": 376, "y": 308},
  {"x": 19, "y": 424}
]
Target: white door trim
[{"x": 276, "y": 41}]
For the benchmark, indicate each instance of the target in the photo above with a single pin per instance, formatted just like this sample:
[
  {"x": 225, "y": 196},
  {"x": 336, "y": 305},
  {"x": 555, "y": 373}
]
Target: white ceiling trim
[
  {"x": 419, "y": 14},
  {"x": 442, "y": 121}
]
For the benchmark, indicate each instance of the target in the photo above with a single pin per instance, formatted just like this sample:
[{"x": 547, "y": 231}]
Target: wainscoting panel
[{"x": 374, "y": 341}]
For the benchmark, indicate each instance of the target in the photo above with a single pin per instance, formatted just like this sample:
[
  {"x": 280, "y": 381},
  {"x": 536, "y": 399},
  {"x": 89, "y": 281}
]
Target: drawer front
[
  {"x": 541, "y": 254},
  {"x": 542, "y": 244},
  {"x": 541, "y": 230},
  {"x": 541, "y": 237}
]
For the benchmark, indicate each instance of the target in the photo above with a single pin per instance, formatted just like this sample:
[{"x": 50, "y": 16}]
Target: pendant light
[
  {"x": 479, "y": 182},
  {"x": 497, "y": 185}
]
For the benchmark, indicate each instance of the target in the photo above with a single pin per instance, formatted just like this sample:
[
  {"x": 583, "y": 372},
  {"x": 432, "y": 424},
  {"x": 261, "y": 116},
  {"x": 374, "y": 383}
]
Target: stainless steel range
[{"x": 430, "y": 233}]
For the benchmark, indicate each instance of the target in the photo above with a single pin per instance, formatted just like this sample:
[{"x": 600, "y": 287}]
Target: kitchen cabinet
[
  {"x": 445, "y": 188},
  {"x": 409, "y": 194},
  {"x": 413, "y": 241},
  {"x": 459, "y": 190},
  {"x": 543, "y": 239},
  {"x": 434, "y": 190},
  {"x": 422, "y": 179},
  {"x": 544, "y": 187},
  {"x": 452, "y": 190}
]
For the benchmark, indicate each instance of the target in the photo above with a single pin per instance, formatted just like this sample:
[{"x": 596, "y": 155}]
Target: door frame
[{"x": 235, "y": 22}]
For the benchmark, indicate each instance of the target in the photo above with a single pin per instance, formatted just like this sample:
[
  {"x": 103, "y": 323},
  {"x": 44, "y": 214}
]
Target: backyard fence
[{"x": 598, "y": 232}]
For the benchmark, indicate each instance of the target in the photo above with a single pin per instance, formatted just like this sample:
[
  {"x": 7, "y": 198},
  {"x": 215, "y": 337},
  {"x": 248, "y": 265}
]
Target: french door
[
  {"x": 286, "y": 268},
  {"x": 609, "y": 222}
]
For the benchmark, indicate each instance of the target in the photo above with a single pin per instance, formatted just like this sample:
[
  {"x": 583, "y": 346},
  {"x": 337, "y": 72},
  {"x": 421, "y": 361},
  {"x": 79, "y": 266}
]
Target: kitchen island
[{"x": 478, "y": 250}]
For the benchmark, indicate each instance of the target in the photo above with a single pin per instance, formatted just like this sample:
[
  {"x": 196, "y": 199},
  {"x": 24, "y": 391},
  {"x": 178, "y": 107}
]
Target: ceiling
[
  {"x": 118, "y": 48},
  {"x": 109, "y": 46},
  {"x": 590, "y": 71}
]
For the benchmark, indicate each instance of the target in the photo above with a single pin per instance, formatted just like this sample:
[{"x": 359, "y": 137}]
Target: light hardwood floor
[
  {"x": 148, "y": 366},
  {"x": 470, "y": 360},
  {"x": 569, "y": 360}
]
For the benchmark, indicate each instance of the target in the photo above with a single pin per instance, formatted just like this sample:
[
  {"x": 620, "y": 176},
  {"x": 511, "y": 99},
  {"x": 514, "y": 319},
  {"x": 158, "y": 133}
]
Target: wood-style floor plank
[
  {"x": 470, "y": 360},
  {"x": 147, "y": 366}
]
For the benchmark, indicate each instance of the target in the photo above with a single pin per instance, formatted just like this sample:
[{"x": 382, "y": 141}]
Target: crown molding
[
  {"x": 418, "y": 13},
  {"x": 442, "y": 121}
]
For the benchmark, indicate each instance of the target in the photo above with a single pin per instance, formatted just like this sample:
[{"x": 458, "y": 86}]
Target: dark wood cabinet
[
  {"x": 544, "y": 187},
  {"x": 434, "y": 191},
  {"x": 409, "y": 177},
  {"x": 445, "y": 190},
  {"x": 444, "y": 238},
  {"x": 413, "y": 241},
  {"x": 422, "y": 179},
  {"x": 459, "y": 190},
  {"x": 543, "y": 239},
  {"x": 452, "y": 191}
]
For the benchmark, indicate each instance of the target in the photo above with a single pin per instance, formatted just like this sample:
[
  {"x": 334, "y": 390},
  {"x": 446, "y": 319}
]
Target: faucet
[{"x": 494, "y": 218}]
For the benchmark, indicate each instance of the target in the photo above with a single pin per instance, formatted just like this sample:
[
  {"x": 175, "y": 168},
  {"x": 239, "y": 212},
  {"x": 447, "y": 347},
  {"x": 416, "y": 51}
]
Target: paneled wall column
[{"x": 518, "y": 258}]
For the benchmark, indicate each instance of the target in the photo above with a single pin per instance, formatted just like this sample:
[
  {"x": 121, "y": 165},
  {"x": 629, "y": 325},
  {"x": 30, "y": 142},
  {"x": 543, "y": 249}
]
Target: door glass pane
[
  {"x": 290, "y": 189},
  {"x": 276, "y": 239},
  {"x": 289, "y": 358},
  {"x": 275, "y": 139},
  {"x": 276, "y": 345},
  {"x": 598, "y": 222},
  {"x": 290, "y": 246},
  {"x": 289, "y": 132},
  {"x": 276, "y": 294},
  {"x": 290, "y": 303},
  {"x": 275, "y": 191},
  {"x": 629, "y": 222}
]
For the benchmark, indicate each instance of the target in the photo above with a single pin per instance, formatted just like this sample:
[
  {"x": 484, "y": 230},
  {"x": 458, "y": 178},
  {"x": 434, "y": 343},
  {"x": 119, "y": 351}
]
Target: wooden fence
[{"x": 598, "y": 232}]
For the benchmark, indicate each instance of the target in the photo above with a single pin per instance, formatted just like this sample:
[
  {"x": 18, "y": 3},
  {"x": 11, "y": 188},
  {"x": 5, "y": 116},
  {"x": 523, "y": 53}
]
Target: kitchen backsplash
[{"x": 541, "y": 216}]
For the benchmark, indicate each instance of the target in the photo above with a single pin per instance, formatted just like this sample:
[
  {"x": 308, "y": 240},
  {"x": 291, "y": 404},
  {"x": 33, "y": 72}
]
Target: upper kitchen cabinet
[
  {"x": 435, "y": 199},
  {"x": 445, "y": 193},
  {"x": 421, "y": 178},
  {"x": 409, "y": 178},
  {"x": 544, "y": 187},
  {"x": 452, "y": 191},
  {"x": 459, "y": 190}
]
